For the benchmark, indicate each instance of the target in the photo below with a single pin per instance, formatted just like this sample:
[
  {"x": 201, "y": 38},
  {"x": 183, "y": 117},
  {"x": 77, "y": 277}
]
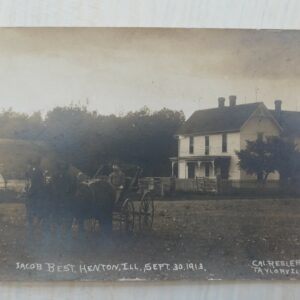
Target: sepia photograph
[{"x": 149, "y": 154}]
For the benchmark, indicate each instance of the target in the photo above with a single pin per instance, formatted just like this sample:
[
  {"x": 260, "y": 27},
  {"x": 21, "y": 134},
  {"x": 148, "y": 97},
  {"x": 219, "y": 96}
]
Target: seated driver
[{"x": 117, "y": 179}]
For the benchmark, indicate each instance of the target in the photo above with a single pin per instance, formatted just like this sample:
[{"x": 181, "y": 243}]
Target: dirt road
[{"x": 207, "y": 239}]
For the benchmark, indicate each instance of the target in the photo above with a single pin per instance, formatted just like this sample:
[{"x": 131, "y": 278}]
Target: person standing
[
  {"x": 117, "y": 180},
  {"x": 35, "y": 177}
]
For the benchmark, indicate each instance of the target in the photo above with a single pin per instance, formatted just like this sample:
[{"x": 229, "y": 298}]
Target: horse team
[{"x": 57, "y": 201}]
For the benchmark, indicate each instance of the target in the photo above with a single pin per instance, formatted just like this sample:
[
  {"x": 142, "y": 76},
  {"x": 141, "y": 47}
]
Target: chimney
[
  {"x": 221, "y": 101},
  {"x": 232, "y": 100},
  {"x": 278, "y": 106}
]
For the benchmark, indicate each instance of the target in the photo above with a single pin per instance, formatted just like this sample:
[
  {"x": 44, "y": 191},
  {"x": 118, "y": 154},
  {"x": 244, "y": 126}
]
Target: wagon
[
  {"x": 94, "y": 200},
  {"x": 135, "y": 208}
]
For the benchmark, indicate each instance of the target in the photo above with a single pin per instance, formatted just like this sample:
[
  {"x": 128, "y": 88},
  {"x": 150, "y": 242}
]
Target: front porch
[{"x": 200, "y": 166}]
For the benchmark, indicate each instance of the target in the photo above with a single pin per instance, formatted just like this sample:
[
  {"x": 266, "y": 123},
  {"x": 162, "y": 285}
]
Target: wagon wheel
[
  {"x": 127, "y": 216},
  {"x": 146, "y": 212}
]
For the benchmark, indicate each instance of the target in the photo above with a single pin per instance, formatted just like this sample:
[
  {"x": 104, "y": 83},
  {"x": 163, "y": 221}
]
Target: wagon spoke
[
  {"x": 127, "y": 215},
  {"x": 146, "y": 212}
]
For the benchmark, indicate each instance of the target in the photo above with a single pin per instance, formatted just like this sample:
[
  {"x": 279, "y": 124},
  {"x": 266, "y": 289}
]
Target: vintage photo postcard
[{"x": 149, "y": 154}]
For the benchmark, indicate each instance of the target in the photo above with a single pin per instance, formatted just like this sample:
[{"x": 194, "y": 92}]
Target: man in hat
[
  {"x": 35, "y": 176},
  {"x": 117, "y": 180}
]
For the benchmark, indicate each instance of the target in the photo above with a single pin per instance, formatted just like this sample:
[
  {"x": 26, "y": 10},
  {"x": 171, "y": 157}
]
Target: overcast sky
[{"x": 117, "y": 70}]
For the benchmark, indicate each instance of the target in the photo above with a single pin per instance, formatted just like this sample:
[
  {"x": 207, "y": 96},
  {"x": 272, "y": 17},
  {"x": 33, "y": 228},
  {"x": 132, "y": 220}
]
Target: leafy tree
[
  {"x": 285, "y": 157},
  {"x": 15, "y": 154},
  {"x": 87, "y": 139},
  {"x": 15, "y": 125},
  {"x": 262, "y": 157},
  {"x": 147, "y": 139},
  {"x": 256, "y": 159}
]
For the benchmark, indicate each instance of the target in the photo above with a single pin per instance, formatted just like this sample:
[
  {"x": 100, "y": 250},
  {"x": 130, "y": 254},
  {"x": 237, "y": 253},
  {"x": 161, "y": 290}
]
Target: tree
[
  {"x": 87, "y": 139},
  {"x": 256, "y": 159},
  {"x": 262, "y": 157},
  {"x": 147, "y": 139},
  {"x": 15, "y": 125},
  {"x": 285, "y": 157}
]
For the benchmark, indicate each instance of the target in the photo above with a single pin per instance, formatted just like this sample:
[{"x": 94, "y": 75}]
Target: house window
[
  {"x": 224, "y": 142},
  {"x": 191, "y": 148},
  {"x": 260, "y": 136},
  {"x": 206, "y": 145},
  {"x": 206, "y": 170}
]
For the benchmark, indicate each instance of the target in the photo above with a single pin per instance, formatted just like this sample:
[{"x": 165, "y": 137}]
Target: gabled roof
[
  {"x": 220, "y": 119},
  {"x": 289, "y": 121}
]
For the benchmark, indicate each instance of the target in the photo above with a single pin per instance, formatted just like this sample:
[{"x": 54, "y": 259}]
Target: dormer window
[{"x": 191, "y": 146}]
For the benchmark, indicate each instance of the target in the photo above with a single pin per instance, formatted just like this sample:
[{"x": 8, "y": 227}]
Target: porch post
[
  {"x": 213, "y": 168},
  {"x": 199, "y": 165},
  {"x": 172, "y": 168}
]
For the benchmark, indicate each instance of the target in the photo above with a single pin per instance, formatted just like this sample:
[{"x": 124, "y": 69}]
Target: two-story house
[{"x": 209, "y": 139}]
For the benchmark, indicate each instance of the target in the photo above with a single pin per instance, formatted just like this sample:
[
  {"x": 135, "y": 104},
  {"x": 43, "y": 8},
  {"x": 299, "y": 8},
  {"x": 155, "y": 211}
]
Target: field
[{"x": 206, "y": 239}]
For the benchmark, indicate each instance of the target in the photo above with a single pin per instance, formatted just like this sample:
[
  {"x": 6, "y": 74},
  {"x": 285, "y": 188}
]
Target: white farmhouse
[{"x": 209, "y": 139}]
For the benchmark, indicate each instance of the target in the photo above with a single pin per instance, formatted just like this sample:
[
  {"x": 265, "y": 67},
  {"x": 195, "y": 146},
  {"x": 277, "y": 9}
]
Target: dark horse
[
  {"x": 54, "y": 205},
  {"x": 37, "y": 201},
  {"x": 95, "y": 199}
]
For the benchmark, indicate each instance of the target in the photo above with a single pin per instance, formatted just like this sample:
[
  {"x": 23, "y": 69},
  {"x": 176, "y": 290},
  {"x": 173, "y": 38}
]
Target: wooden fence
[
  {"x": 166, "y": 185},
  {"x": 162, "y": 186},
  {"x": 199, "y": 184}
]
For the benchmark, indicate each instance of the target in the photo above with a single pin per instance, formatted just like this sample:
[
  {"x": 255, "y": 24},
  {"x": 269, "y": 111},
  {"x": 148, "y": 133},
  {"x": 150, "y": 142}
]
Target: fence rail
[
  {"x": 199, "y": 184},
  {"x": 165, "y": 185}
]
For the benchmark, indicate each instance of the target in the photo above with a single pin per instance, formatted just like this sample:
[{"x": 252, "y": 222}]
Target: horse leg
[
  {"x": 81, "y": 231},
  {"x": 30, "y": 229},
  {"x": 107, "y": 223},
  {"x": 68, "y": 232},
  {"x": 46, "y": 233}
]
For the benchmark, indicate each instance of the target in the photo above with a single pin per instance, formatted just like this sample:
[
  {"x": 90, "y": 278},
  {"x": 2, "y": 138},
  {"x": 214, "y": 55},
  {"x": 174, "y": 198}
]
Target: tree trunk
[
  {"x": 259, "y": 176},
  {"x": 265, "y": 177}
]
